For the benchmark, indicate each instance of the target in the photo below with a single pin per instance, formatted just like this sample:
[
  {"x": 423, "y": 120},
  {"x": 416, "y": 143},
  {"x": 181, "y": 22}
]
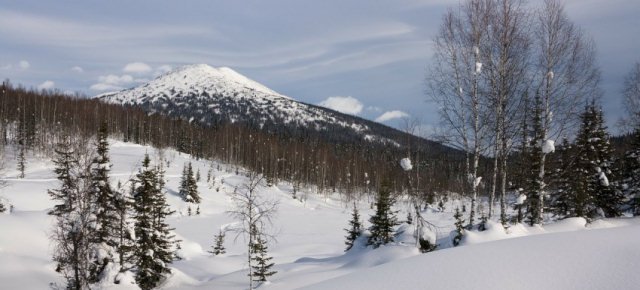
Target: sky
[{"x": 364, "y": 57}]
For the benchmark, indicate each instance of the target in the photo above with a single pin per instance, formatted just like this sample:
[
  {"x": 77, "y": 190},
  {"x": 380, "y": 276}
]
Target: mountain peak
[{"x": 203, "y": 77}]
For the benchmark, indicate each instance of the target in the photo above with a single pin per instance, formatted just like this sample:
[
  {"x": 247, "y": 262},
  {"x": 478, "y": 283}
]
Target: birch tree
[
  {"x": 565, "y": 75},
  {"x": 254, "y": 214},
  {"x": 456, "y": 85}
]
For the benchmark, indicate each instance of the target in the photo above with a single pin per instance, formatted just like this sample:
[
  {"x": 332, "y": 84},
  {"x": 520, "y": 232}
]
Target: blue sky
[{"x": 374, "y": 52}]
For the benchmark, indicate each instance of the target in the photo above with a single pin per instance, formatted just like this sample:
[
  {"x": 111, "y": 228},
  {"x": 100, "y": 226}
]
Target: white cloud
[
  {"x": 46, "y": 85},
  {"x": 77, "y": 69},
  {"x": 137, "y": 67},
  {"x": 347, "y": 105},
  {"x": 114, "y": 82},
  {"x": 163, "y": 69},
  {"x": 105, "y": 87},
  {"x": 8, "y": 66},
  {"x": 24, "y": 64},
  {"x": 390, "y": 115}
]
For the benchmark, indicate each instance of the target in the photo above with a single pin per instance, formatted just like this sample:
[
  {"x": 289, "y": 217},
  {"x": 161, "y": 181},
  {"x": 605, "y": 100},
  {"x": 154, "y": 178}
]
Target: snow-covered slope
[{"x": 310, "y": 240}]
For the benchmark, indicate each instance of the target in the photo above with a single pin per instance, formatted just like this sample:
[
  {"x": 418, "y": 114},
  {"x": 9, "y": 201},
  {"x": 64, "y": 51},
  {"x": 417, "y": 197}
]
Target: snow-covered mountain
[{"x": 211, "y": 96}]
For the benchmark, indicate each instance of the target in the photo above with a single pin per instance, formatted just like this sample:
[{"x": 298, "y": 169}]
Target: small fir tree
[
  {"x": 261, "y": 261},
  {"x": 459, "y": 231},
  {"x": 189, "y": 186},
  {"x": 384, "y": 219},
  {"x": 218, "y": 248},
  {"x": 355, "y": 228}
]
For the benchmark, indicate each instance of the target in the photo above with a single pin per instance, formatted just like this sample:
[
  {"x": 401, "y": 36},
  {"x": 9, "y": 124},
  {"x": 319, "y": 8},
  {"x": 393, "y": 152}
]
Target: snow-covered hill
[
  {"x": 310, "y": 240},
  {"x": 207, "y": 95}
]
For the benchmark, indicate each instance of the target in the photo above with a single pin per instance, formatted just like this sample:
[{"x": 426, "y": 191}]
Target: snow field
[{"x": 310, "y": 240}]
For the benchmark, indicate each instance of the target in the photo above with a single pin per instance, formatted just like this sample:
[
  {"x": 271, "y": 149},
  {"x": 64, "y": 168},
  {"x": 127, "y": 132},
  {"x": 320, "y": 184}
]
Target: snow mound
[
  {"x": 596, "y": 259},
  {"x": 406, "y": 165},
  {"x": 548, "y": 147}
]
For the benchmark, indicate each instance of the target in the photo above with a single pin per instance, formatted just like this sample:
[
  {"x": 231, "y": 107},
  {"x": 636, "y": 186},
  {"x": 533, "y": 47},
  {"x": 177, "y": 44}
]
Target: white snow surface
[
  {"x": 548, "y": 147},
  {"x": 594, "y": 259},
  {"x": 309, "y": 251}
]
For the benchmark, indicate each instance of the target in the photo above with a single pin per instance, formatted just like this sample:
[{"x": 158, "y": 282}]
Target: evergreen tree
[
  {"x": 355, "y": 228},
  {"x": 384, "y": 219},
  {"x": 123, "y": 229},
  {"x": 22, "y": 161},
  {"x": 105, "y": 211},
  {"x": 218, "y": 248},
  {"x": 561, "y": 200},
  {"x": 189, "y": 186},
  {"x": 22, "y": 147},
  {"x": 153, "y": 236},
  {"x": 608, "y": 200},
  {"x": 261, "y": 265},
  {"x": 534, "y": 185},
  {"x": 630, "y": 167},
  {"x": 73, "y": 232},
  {"x": 590, "y": 195},
  {"x": 459, "y": 231}
]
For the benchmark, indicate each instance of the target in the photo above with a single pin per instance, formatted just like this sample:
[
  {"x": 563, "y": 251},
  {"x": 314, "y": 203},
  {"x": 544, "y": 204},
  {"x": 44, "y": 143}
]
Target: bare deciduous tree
[
  {"x": 565, "y": 76},
  {"x": 255, "y": 214},
  {"x": 455, "y": 85},
  {"x": 631, "y": 101}
]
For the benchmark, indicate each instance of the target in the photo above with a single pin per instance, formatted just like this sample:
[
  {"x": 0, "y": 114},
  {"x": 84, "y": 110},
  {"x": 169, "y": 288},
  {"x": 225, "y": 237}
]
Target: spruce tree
[
  {"x": 105, "y": 211},
  {"x": 123, "y": 229},
  {"x": 630, "y": 168},
  {"x": 261, "y": 265},
  {"x": 73, "y": 232},
  {"x": 22, "y": 147},
  {"x": 608, "y": 200},
  {"x": 355, "y": 228},
  {"x": 189, "y": 186},
  {"x": 591, "y": 194},
  {"x": 561, "y": 180},
  {"x": 154, "y": 242},
  {"x": 534, "y": 185},
  {"x": 384, "y": 219},
  {"x": 22, "y": 161},
  {"x": 459, "y": 231},
  {"x": 218, "y": 248}
]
